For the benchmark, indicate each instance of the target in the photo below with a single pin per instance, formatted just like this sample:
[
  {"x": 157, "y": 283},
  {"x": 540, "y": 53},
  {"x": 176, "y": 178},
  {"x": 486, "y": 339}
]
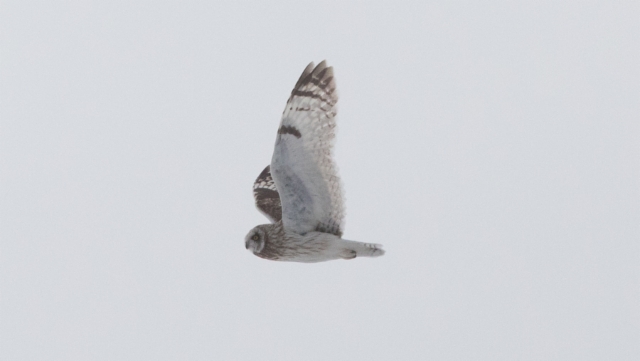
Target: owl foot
[{"x": 349, "y": 254}]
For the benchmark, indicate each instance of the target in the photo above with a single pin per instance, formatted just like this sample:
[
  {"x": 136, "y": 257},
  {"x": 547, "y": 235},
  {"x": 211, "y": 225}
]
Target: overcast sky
[{"x": 492, "y": 149}]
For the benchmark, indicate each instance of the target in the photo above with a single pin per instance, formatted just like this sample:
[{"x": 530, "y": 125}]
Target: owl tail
[{"x": 355, "y": 249}]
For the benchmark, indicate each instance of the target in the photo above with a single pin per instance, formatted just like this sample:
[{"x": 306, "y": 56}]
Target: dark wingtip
[
  {"x": 321, "y": 75},
  {"x": 305, "y": 74}
]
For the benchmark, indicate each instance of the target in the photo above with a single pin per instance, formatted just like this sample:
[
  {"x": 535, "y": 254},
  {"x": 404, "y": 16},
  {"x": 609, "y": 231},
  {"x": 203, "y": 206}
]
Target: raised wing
[
  {"x": 266, "y": 195},
  {"x": 302, "y": 164}
]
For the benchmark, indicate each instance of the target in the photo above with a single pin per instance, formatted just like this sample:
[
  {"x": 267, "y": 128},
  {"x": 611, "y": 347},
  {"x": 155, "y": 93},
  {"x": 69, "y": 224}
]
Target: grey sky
[{"x": 492, "y": 149}]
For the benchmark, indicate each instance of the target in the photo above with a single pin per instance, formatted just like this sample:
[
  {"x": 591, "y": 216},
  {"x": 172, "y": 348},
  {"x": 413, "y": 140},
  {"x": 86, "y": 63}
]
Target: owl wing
[
  {"x": 302, "y": 164},
  {"x": 266, "y": 195}
]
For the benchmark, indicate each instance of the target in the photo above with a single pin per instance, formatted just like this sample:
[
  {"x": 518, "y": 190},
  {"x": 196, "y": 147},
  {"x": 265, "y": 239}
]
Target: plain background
[{"x": 492, "y": 149}]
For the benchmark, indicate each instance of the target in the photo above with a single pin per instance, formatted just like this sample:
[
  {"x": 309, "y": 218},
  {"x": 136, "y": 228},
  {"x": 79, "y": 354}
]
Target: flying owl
[{"x": 300, "y": 191}]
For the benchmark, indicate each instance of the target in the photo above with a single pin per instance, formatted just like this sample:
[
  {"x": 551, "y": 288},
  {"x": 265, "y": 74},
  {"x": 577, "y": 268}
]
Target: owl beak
[{"x": 246, "y": 245}]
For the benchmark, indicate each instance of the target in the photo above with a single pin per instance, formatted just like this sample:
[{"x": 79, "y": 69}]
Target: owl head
[{"x": 256, "y": 239}]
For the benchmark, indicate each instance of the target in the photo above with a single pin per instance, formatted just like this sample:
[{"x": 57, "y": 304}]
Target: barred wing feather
[{"x": 302, "y": 165}]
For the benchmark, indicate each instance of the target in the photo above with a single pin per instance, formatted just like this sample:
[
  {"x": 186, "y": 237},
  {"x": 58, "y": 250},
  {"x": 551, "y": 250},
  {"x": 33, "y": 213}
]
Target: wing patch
[
  {"x": 289, "y": 130},
  {"x": 267, "y": 197}
]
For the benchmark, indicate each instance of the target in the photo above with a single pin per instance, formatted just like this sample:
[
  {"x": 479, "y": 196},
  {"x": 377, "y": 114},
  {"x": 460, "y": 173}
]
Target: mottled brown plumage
[{"x": 266, "y": 196}]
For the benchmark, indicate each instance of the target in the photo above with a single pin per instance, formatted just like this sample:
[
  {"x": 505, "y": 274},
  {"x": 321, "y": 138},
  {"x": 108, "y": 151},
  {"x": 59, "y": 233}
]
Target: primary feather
[{"x": 302, "y": 163}]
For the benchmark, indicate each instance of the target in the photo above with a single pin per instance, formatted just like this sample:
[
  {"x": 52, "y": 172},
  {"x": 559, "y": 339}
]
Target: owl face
[{"x": 255, "y": 240}]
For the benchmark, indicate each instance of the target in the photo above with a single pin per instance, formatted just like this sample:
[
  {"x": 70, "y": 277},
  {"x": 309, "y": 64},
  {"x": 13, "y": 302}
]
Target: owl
[{"x": 300, "y": 191}]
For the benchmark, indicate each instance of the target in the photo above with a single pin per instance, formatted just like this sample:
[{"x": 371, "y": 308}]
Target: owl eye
[{"x": 255, "y": 237}]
